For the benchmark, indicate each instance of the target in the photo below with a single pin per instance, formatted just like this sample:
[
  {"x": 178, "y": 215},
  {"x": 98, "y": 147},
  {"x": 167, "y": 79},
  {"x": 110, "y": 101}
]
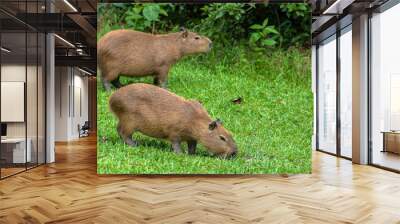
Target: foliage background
[
  {"x": 258, "y": 25},
  {"x": 261, "y": 54}
]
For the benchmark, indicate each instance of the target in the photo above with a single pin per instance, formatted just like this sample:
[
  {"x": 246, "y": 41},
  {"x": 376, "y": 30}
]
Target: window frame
[
  {"x": 381, "y": 9},
  {"x": 31, "y": 30},
  {"x": 339, "y": 32}
]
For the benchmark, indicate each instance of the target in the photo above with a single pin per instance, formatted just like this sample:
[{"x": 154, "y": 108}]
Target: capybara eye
[
  {"x": 222, "y": 138},
  {"x": 196, "y": 38}
]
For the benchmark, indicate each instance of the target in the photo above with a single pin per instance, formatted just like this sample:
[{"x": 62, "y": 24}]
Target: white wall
[
  {"x": 61, "y": 103},
  {"x": 70, "y": 83},
  {"x": 14, "y": 72},
  {"x": 80, "y": 94}
]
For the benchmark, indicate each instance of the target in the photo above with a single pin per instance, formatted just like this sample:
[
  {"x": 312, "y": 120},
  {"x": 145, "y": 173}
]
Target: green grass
[{"x": 272, "y": 126}]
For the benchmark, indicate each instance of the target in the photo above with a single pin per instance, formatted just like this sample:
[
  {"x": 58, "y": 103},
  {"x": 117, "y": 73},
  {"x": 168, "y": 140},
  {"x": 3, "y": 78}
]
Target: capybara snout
[{"x": 158, "y": 113}]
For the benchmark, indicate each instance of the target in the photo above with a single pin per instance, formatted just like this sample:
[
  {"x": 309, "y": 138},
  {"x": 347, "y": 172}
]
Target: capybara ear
[
  {"x": 212, "y": 125},
  {"x": 185, "y": 32}
]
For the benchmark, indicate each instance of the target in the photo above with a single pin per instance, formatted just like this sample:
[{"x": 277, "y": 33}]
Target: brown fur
[
  {"x": 134, "y": 53},
  {"x": 159, "y": 113}
]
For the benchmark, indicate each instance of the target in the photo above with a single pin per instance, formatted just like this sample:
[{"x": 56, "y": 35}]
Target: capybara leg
[
  {"x": 160, "y": 81},
  {"x": 162, "y": 76},
  {"x": 156, "y": 81},
  {"x": 116, "y": 83},
  {"x": 126, "y": 136},
  {"x": 192, "y": 147},
  {"x": 109, "y": 78},
  {"x": 176, "y": 145},
  {"x": 107, "y": 85},
  {"x": 163, "y": 83}
]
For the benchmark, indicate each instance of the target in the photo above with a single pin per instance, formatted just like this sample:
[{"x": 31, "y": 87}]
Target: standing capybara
[
  {"x": 134, "y": 53},
  {"x": 159, "y": 113}
]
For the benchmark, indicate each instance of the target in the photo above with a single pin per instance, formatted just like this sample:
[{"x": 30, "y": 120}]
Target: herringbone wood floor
[{"x": 69, "y": 191}]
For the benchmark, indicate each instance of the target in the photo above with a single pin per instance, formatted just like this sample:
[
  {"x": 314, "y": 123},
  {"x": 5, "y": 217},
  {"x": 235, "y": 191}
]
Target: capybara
[
  {"x": 133, "y": 53},
  {"x": 158, "y": 113}
]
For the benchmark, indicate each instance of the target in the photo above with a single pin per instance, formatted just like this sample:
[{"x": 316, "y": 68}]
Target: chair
[{"x": 84, "y": 130}]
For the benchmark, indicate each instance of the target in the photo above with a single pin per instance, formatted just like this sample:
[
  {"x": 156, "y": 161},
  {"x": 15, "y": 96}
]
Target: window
[
  {"x": 346, "y": 92},
  {"x": 327, "y": 95},
  {"x": 385, "y": 89},
  {"x": 22, "y": 90}
]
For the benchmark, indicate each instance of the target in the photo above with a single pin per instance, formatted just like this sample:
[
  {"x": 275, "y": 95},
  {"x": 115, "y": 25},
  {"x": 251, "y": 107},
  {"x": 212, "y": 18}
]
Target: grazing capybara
[
  {"x": 159, "y": 113},
  {"x": 134, "y": 53}
]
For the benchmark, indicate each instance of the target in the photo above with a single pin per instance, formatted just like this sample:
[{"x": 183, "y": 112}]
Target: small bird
[{"x": 237, "y": 100}]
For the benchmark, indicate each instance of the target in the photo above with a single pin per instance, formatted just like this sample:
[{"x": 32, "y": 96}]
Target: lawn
[{"x": 272, "y": 126}]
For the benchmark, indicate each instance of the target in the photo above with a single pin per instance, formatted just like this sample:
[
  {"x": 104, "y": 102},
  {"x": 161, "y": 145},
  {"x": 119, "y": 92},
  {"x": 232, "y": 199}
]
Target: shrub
[{"x": 261, "y": 26}]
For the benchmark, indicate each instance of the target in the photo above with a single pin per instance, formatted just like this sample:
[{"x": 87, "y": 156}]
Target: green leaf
[
  {"x": 258, "y": 49},
  {"x": 163, "y": 12},
  {"x": 256, "y": 27},
  {"x": 268, "y": 42},
  {"x": 270, "y": 29},
  {"x": 219, "y": 15},
  {"x": 137, "y": 10},
  {"x": 265, "y": 22},
  {"x": 151, "y": 12},
  {"x": 131, "y": 17},
  {"x": 147, "y": 23},
  {"x": 255, "y": 37}
]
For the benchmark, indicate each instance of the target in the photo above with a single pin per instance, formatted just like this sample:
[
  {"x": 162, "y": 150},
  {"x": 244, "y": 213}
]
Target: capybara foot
[
  {"x": 107, "y": 85},
  {"x": 131, "y": 142}
]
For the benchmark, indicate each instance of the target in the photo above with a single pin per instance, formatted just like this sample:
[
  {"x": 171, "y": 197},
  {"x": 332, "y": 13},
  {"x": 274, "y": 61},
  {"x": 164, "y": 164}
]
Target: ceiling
[
  {"x": 74, "y": 22},
  {"x": 331, "y": 14}
]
